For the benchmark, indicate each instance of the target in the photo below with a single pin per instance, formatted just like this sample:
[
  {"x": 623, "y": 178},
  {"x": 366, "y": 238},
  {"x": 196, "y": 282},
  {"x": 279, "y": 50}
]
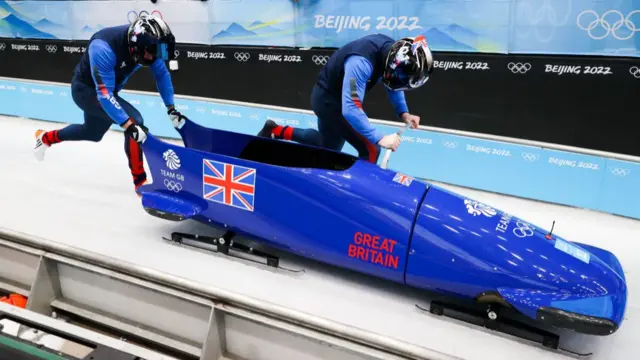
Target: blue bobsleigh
[{"x": 334, "y": 208}]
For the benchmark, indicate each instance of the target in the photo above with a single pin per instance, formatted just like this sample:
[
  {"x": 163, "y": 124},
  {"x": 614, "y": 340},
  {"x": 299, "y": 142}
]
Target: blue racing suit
[
  {"x": 339, "y": 92},
  {"x": 101, "y": 73}
]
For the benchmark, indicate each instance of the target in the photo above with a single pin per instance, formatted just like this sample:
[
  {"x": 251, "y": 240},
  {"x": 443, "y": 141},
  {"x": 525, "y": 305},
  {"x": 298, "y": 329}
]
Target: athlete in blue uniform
[
  {"x": 341, "y": 86},
  {"x": 112, "y": 56}
]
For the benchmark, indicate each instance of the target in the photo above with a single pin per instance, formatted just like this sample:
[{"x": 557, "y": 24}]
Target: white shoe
[{"x": 40, "y": 148}]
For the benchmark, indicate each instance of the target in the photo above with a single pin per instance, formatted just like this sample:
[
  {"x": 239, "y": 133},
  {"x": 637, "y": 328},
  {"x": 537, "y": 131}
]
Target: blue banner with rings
[
  {"x": 588, "y": 27},
  {"x": 531, "y": 172}
]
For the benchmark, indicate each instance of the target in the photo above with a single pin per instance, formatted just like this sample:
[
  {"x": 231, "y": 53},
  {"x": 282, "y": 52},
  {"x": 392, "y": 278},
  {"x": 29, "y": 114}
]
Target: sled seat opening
[
  {"x": 290, "y": 154},
  {"x": 263, "y": 150}
]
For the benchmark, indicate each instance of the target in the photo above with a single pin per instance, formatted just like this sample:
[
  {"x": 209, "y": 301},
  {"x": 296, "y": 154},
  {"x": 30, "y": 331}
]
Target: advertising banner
[{"x": 584, "y": 27}]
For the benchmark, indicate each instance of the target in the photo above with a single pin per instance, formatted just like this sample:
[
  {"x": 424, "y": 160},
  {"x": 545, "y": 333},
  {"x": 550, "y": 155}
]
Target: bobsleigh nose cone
[
  {"x": 598, "y": 308},
  {"x": 586, "y": 324}
]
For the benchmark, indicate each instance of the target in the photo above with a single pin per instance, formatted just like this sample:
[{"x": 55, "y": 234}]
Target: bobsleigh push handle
[{"x": 387, "y": 154}]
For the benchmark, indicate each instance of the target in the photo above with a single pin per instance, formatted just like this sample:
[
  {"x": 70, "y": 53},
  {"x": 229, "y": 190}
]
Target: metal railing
[{"x": 221, "y": 297}]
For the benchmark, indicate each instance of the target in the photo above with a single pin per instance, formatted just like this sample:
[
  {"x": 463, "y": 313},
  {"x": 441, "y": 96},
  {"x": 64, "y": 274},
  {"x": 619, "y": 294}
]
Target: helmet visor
[
  {"x": 163, "y": 48},
  {"x": 405, "y": 79}
]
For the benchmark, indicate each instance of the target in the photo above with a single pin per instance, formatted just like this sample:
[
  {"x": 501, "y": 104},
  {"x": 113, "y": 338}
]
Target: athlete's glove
[
  {"x": 137, "y": 132},
  {"x": 412, "y": 120},
  {"x": 390, "y": 141},
  {"x": 176, "y": 118}
]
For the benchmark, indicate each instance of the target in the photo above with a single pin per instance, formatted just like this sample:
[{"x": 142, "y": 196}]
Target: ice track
[{"x": 82, "y": 195}]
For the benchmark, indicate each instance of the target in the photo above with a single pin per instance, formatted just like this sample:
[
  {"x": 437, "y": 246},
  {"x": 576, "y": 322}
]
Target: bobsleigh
[{"x": 337, "y": 209}]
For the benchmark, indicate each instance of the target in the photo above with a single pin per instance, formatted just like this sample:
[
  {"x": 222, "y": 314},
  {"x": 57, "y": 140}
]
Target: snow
[{"x": 82, "y": 195}]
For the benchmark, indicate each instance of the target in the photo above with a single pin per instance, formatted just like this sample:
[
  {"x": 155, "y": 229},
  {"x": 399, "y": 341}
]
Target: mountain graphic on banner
[
  {"x": 12, "y": 26},
  {"x": 462, "y": 34},
  {"x": 6, "y": 9},
  {"x": 440, "y": 40},
  {"x": 234, "y": 30},
  {"x": 262, "y": 28},
  {"x": 455, "y": 29},
  {"x": 48, "y": 26},
  {"x": 89, "y": 29}
]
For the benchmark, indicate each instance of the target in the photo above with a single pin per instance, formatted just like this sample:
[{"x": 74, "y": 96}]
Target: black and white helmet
[
  {"x": 409, "y": 64},
  {"x": 150, "y": 39}
]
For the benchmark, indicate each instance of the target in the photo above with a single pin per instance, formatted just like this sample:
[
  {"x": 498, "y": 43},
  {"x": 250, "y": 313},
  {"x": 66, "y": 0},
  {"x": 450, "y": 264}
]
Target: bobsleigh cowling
[{"x": 334, "y": 208}]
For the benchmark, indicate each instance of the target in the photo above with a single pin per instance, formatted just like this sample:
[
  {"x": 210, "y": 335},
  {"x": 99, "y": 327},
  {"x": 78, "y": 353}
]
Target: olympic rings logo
[
  {"x": 635, "y": 71},
  {"x": 521, "y": 68},
  {"x": 242, "y": 57},
  {"x": 172, "y": 185},
  {"x": 450, "y": 144},
  {"x": 133, "y": 15},
  {"x": 530, "y": 156},
  {"x": 610, "y": 29},
  {"x": 541, "y": 18},
  {"x": 320, "y": 59},
  {"x": 2, "y": 46},
  {"x": 620, "y": 171},
  {"x": 546, "y": 12},
  {"x": 51, "y": 48},
  {"x": 523, "y": 229}
]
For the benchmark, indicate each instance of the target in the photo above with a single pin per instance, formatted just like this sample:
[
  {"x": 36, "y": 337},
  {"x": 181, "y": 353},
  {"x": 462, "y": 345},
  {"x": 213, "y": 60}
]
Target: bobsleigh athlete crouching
[
  {"x": 112, "y": 56},
  {"x": 351, "y": 72}
]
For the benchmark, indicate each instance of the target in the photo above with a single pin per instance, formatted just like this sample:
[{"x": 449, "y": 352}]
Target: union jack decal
[
  {"x": 229, "y": 184},
  {"x": 403, "y": 179}
]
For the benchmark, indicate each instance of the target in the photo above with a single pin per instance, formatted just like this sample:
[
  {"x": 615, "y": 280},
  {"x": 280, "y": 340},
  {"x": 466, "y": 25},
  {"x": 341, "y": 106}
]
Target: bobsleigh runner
[{"x": 490, "y": 266}]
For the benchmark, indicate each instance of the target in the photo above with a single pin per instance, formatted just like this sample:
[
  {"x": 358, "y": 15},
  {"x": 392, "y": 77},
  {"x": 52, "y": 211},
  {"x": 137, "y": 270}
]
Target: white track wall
[{"x": 558, "y": 174}]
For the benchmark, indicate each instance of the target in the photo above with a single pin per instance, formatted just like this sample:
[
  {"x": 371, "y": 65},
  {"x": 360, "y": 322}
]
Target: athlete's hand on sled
[
  {"x": 176, "y": 118},
  {"x": 137, "y": 132},
  {"x": 412, "y": 120},
  {"x": 391, "y": 141}
]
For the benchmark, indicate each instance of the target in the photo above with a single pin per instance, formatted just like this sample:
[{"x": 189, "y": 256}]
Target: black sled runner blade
[
  {"x": 500, "y": 319},
  {"x": 226, "y": 245}
]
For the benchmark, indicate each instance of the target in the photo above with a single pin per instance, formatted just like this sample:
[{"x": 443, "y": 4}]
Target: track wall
[{"x": 568, "y": 103}]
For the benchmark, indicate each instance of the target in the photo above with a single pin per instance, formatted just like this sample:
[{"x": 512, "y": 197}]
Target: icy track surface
[{"x": 82, "y": 195}]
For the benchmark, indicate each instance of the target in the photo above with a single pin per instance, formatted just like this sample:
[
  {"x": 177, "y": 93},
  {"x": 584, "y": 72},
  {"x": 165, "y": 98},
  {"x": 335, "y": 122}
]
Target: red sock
[
  {"x": 50, "y": 138},
  {"x": 283, "y": 132}
]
